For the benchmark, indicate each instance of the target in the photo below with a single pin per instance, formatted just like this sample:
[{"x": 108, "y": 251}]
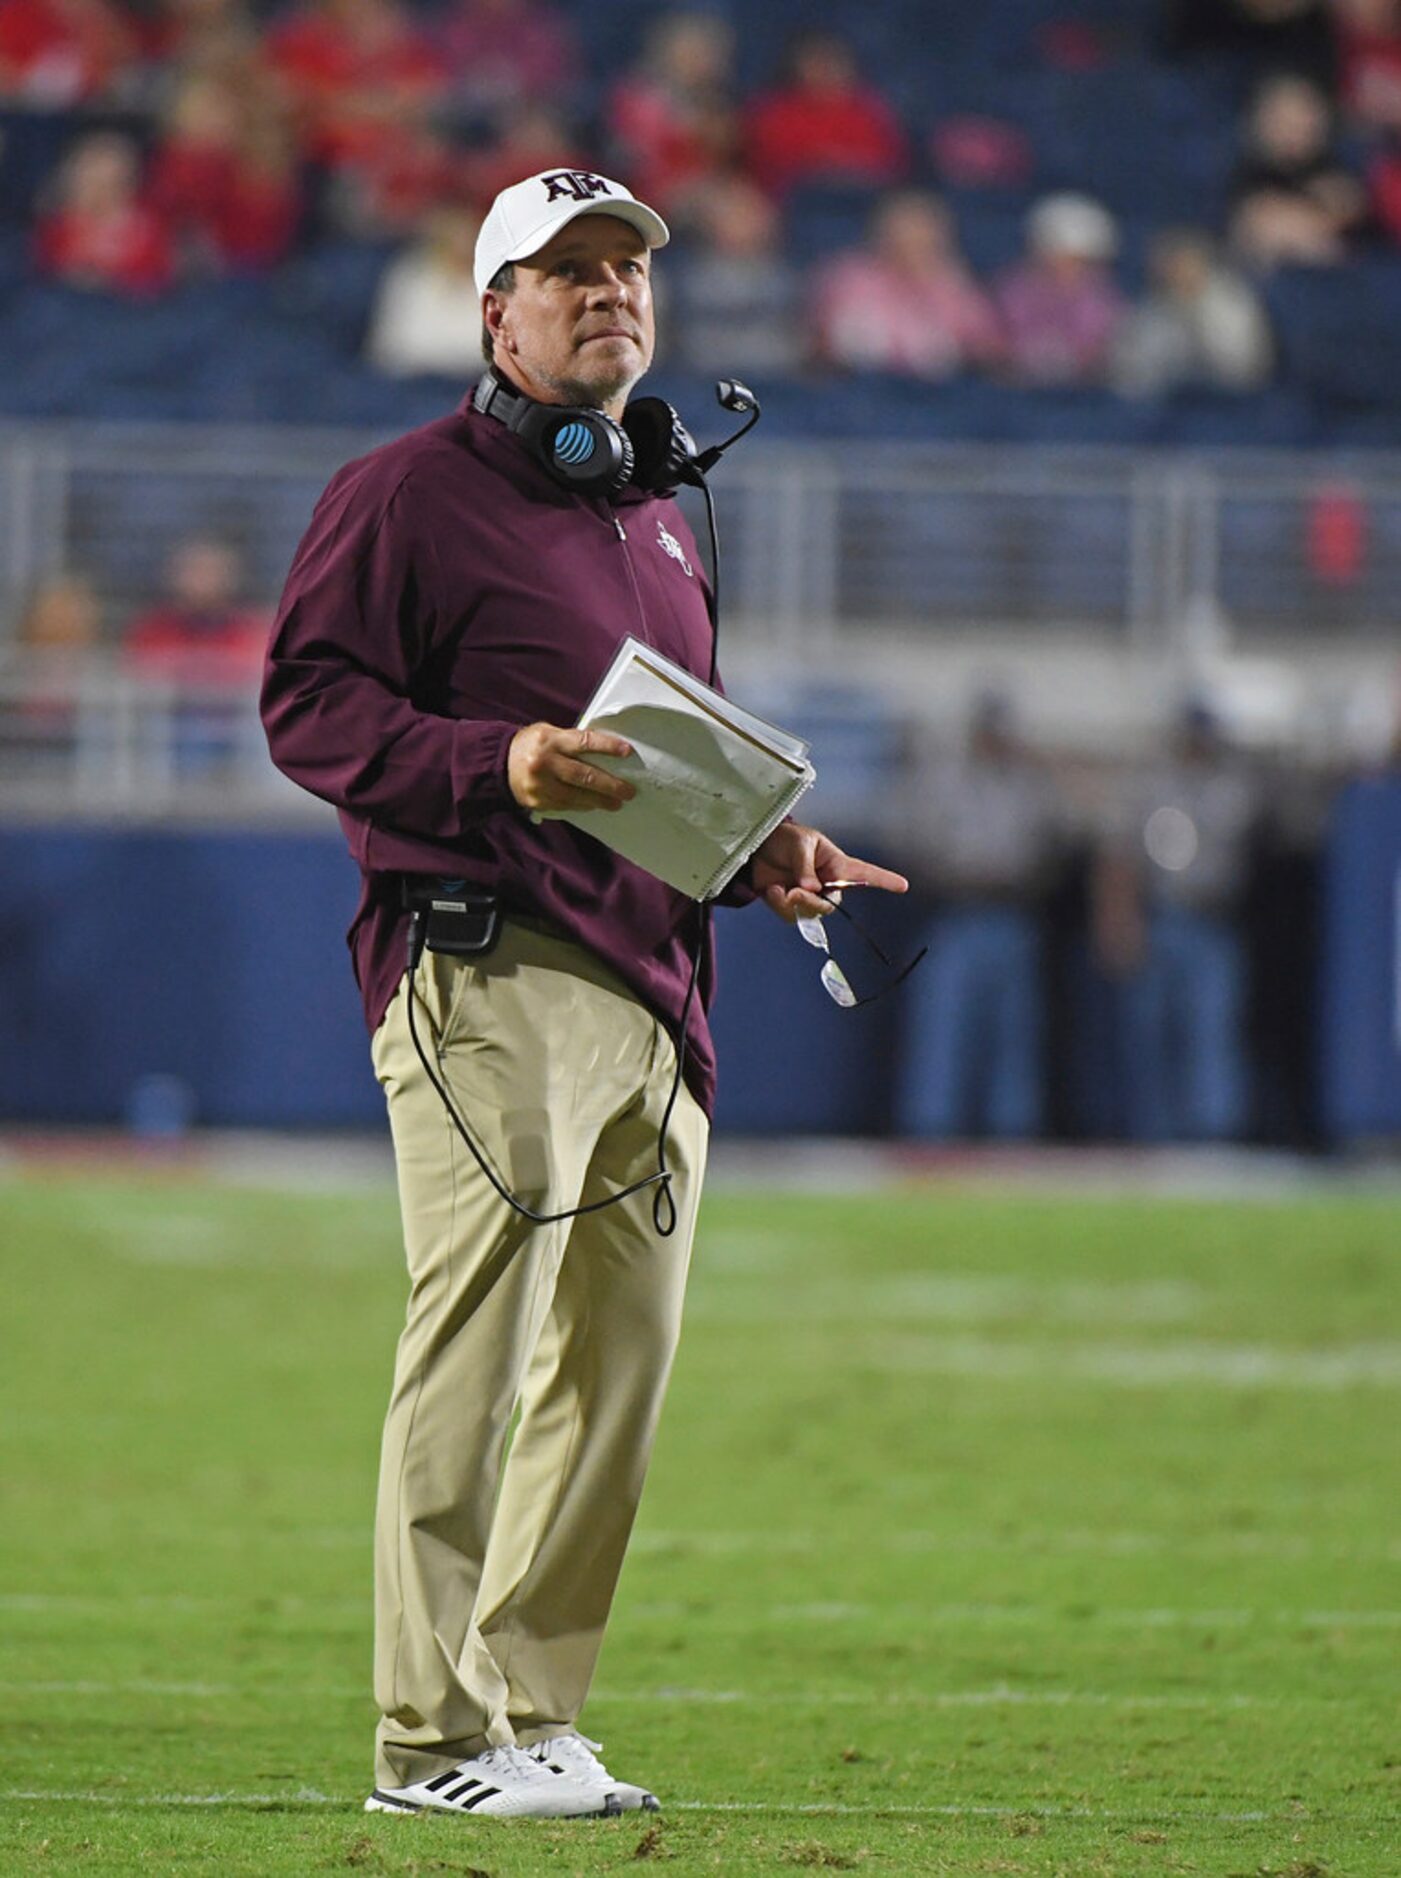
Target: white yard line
[
  {"x": 1176, "y": 1364},
  {"x": 1087, "y": 1542},
  {"x": 136, "y": 1686},
  {"x": 937, "y": 1698},
  {"x": 820, "y": 1612},
  {"x": 1001, "y": 1696},
  {"x": 813, "y": 1809}
]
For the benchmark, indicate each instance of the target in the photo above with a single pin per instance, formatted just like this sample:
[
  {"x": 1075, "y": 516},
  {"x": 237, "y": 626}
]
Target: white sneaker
[
  {"x": 500, "y": 1783},
  {"x": 576, "y": 1757}
]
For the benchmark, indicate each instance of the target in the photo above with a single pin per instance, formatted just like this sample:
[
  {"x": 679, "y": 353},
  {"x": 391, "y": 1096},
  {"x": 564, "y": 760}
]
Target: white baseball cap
[
  {"x": 525, "y": 216},
  {"x": 1072, "y": 224}
]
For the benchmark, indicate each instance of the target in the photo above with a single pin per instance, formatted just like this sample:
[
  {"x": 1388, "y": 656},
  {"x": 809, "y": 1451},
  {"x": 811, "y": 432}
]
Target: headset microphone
[{"x": 736, "y": 397}]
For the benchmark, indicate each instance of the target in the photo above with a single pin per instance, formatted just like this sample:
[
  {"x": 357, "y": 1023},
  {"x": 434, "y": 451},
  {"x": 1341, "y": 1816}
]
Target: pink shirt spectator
[
  {"x": 1060, "y": 308},
  {"x": 869, "y": 317},
  {"x": 906, "y": 302},
  {"x": 1056, "y": 333},
  {"x": 501, "y": 53}
]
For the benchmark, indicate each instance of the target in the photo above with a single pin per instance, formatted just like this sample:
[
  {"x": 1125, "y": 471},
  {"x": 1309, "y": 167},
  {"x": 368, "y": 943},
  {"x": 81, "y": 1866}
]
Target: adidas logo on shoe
[{"x": 500, "y": 1783}]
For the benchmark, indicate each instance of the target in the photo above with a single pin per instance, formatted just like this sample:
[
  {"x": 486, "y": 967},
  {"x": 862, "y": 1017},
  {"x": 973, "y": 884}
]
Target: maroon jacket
[{"x": 447, "y": 592}]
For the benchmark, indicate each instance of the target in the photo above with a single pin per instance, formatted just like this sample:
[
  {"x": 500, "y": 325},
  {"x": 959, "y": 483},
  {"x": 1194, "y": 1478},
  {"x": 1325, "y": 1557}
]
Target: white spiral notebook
[{"x": 713, "y": 781}]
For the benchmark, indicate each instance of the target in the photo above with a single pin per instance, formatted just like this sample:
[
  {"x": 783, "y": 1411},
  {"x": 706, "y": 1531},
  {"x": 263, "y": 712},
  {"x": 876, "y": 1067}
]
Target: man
[
  {"x": 973, "y": 1062},
  {"x": 447, "y": 616},
  {"x": 1166, "y": 895}
]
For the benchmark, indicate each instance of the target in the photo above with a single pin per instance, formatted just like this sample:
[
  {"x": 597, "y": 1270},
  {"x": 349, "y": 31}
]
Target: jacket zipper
[{"x": 622, "y": 535}]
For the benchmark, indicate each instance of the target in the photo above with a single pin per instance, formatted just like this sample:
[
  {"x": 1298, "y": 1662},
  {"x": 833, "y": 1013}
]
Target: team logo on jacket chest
[{"x": 673, "y": 546}]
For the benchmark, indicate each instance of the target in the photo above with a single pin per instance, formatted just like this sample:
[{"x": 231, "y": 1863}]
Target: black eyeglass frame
[{"x": 901, "y": 972}]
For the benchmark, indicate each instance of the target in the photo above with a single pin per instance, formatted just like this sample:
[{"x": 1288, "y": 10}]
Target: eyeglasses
[{"x": 834, "y": 980}]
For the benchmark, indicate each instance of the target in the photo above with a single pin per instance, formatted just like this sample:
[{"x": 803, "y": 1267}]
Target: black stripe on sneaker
[
  {"x": 456, "y": 1793},
  {"x": 487, "y": 1793},
  {"x": 443, "y": 1780}
]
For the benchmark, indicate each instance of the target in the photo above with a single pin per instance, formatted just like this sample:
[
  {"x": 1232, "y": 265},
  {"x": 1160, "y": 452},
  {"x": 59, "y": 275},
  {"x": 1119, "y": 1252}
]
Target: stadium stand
[
  {"x": 1088, "y": 91},
  {"x": 1057, "y": 531}
]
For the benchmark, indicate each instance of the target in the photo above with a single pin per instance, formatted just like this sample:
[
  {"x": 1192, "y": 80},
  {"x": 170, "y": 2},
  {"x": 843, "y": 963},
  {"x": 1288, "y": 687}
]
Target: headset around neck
[{"x": 587, "y": 451}]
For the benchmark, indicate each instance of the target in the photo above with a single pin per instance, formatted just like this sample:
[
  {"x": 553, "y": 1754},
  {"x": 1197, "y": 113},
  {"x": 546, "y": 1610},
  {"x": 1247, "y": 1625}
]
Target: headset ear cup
[
  {"x": 583, "y": 450},
  {"x": 664, "y": 448}
]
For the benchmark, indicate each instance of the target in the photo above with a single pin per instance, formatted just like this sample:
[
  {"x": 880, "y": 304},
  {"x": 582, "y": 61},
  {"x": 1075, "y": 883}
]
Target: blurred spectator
[
  {"x": 907, "y": 301},
  {"x": 55, "y": 54},
  {"x": 1201, "y": 324},
  {"x": 502, "y": 54},
  {"x": 534, "y": 138},
  {"x": 1369, "y": 33},
  {"x": 62, "y": 619},
  {"x": 1060, "y": 307},
  {"x": 426, "y": 315},
  {"x": 1294, "y": 202},
  {"x": 58, "y": 632},
  {"x": 1260, "y": 35},
  {"x": 672, "y": 117},
  {"x": 982, "y": 843},
  {"x": 203, "y": 632},
  {"x": 53, "y": 649},
  {"x": 823, "y": 123},
  {"x": 1386, "y": 194},
  {"x": 364, "y": 81},
  {"x": 352, "y": 67},
  {"x": 101, "y": 233},
  {"x": 202, "y": 34},
  {"x": 224, "y": 176},
  {"x": 976, "y": 152},
  {"x": 1165, "y": 927},
  {"x": 734, "y": 298}
]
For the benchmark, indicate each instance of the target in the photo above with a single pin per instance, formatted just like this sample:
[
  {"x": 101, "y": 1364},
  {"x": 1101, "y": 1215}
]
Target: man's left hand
[{"x": 796, "y": 865}]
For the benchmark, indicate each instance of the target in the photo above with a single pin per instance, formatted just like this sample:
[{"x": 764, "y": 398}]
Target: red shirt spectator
[
  {"x": 672, "y": 118},
  {"x": 56, "y": 53},
  {"x": 363, "y": 81},
  {"x": 1386, "y": 194},
  {"x": 824, "y": 123},
  {"x": 354, "y": 68},
  {"x": 201, "y": 634},
  {"x": 224, "y": 177},
  {"x": 102, "y": 234},
  {"x": 1369, "y": 35}
]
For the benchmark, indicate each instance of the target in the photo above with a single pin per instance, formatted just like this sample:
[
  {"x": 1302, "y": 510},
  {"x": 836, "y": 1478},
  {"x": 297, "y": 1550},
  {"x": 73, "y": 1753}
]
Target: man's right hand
[{"x": 548, "y": 768}]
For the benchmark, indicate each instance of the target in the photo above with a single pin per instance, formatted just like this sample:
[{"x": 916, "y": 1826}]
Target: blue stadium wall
[{"x": 218, "y": 960}]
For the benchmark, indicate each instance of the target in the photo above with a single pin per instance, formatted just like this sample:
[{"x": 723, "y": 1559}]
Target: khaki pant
[{"x": 493, "y": 1582}]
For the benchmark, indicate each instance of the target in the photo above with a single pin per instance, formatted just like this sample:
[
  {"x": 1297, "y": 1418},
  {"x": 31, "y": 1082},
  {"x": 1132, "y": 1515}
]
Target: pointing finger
[{"x": 856, "y": 873}]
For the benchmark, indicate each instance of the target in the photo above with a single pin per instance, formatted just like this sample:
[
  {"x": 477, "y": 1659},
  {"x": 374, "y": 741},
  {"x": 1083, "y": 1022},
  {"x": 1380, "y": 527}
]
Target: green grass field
[{"x": 986, "y": 1535}]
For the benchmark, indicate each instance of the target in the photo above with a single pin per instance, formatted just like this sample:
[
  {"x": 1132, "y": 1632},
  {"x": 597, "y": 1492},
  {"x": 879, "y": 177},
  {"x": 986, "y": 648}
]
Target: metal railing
[{"x": 835, "y": 552}]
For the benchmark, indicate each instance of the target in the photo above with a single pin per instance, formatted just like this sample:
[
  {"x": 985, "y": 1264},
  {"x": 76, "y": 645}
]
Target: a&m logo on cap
[{"x": 576, "y": 185}]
